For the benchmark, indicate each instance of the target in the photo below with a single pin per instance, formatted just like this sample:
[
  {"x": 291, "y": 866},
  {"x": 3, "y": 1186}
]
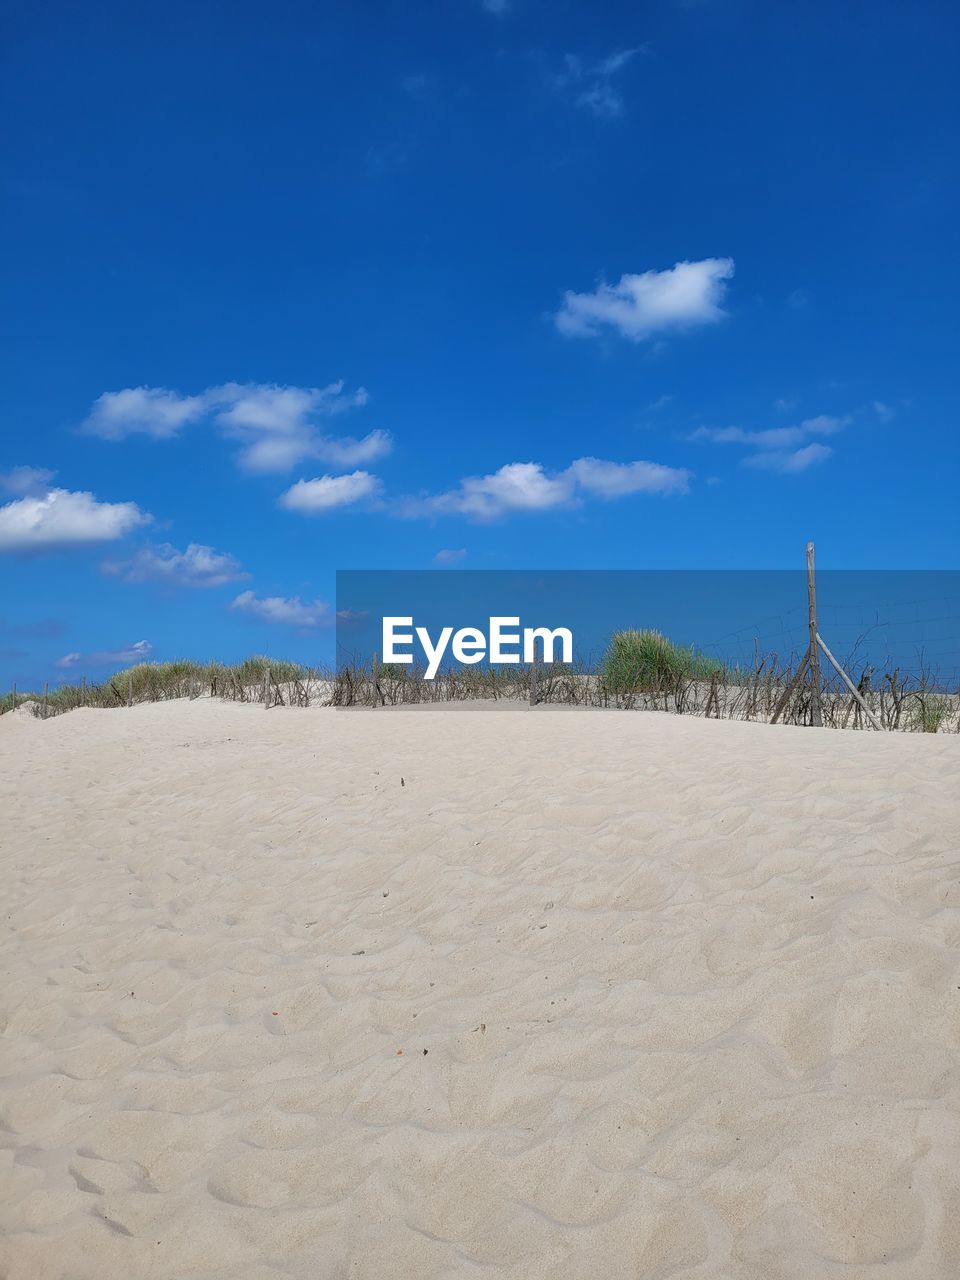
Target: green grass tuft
[
  {"x": 641, "y": 661},
  {"x": 931, "y": 713}
]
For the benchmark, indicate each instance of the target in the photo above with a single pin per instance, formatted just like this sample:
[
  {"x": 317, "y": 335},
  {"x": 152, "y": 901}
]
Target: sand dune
[{"x": 587, "y": 994}]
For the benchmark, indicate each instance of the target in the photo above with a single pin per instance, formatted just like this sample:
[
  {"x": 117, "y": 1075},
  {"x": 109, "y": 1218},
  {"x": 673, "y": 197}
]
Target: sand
[{"x": 478, "y": 992}]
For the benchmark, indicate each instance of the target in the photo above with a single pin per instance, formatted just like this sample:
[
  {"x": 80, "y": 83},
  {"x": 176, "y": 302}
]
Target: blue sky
[{"x": 512, "y": 284}]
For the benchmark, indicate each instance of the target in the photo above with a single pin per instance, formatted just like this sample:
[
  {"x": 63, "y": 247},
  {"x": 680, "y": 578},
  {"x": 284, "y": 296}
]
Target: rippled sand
[{"x": 476, "y": 992}]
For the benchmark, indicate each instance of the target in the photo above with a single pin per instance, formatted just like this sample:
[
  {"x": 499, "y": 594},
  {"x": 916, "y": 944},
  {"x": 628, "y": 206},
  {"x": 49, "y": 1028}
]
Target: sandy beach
[{"x": 476, "y": 991}]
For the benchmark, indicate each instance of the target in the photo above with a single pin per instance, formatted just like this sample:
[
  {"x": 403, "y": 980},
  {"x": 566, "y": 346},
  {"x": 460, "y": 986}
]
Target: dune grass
[
  {"x": 643, "y": 661},
  {"x": 931, "y": 713},
  {"x": 160, "y": 681},
  {"x": 640, "y": 669}
]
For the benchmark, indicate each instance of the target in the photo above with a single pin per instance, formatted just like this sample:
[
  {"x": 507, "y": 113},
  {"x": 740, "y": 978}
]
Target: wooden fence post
[
  {"x": 45, "y": 688},
  {"x": 533, "y": 681},
  {"x": 376, "y": 677},
  {"x": 266, "y": 688},
  {"x": 813, "y": 653}
]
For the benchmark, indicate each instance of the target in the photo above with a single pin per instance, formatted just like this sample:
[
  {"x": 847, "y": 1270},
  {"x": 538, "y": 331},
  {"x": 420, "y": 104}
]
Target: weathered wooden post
[
  {"x": 813, "y": 653},
  {"x": 533, "y": 681},
  {"x": 376, "y": 677},
  {"x": 266, "y": 688},
  {"x": 14, "y": 695},
  {"x": 849, "y": 683},
  {"x": 45, "y": 689},
  {"x": 130, "y": 687}
]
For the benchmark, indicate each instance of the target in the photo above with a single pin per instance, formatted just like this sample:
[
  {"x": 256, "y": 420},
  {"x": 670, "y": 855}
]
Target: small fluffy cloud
[
  {"x": 688, "y": 294},
  {"x": 825, "y": 424},
  {"x": 198, "y": 566},
  {"x": 789, "y": 462},
  {"x": 884, "y": 412},
  {"x": 326, "y": 493},
  {"x": 276, "y": 427},
  {"x": 59, "y": 518},
  {"x": 139, "y": 652},
  {"x": 148, "y": 411},
  {"x": 787, "y": 450},
  {"x": 292, "y": 612},
  {"x": 350, "y": 452},
  {"x": 449, "y": 555},
  {"x": 528, "y": 487},
  {"x": 618, "y": 479},
  {"x": 518, "y": 486},
  {"x": 26, "y": 480},
  {"x": 591, "y": 85}
]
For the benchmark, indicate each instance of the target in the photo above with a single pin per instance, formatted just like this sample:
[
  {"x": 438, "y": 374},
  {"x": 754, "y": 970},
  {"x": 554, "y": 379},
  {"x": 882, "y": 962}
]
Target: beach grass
[
  {"x": 643, "y": 661},
  {"x": 638, "y": 670}
]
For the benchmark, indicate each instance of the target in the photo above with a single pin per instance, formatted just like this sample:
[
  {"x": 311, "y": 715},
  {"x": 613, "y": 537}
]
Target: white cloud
[
  {"x": 603, "y": 100},
  {"x": 688, "y": 294},
  {"x": 313, "y": 497},
  {"x": 139, "y": 652},
  {"x": 149, "y": 411},
  {"x": 449, "y": 555},
  {"x": 590, "y": 83},
  {"x": 292, "y": 612},
  {"x": 884, "y": 412},
  {"x": 618, "y": 479},
  {"x": 774, "y": 437},
  {"x": 275, "y": 426},
  {"x": 518, "y": 486},
  {"x": 789, "y": 462},
  {"x": 350, "y": 452},
  {"x": 60, "y": 518},
  {"x": 825, "y": 424},
  {"x": 527, "y": 486},
  {"x": 26, "y": 480},
  {"x": 198, "y": 566}
]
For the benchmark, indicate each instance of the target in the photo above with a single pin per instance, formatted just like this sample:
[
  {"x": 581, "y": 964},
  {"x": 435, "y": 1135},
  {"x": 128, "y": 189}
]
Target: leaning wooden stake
[
  {"x": 816, "y": 710},
  {"x": 788, "y": 691},
  {"x": 376, "y": 678},
  {"x": 266, "y": 688},
  {"x": 533, "y": 682},
  {"x": 849, "y": 683},
  {"x": 45, "y": 688}
]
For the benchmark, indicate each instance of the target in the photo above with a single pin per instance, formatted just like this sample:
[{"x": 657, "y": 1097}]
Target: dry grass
[{"x": 900, "y": 701}]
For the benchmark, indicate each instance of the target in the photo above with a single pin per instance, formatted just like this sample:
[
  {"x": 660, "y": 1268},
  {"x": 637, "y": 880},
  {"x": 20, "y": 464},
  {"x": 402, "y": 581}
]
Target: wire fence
[
  {"x": 918, "y": 636},
  {"x": 772, "y": 691},
  {"x": 901, "y": 656}
]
